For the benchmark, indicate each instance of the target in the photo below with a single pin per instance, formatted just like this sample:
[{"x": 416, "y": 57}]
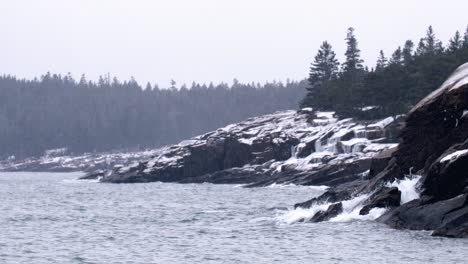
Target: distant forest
[
  {"x": 58, "y": 111},
  {"x": 393, "y": 86}
]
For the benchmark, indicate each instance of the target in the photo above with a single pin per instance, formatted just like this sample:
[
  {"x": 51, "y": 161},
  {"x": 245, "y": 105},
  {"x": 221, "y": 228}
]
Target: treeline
[
  {"x": 393, "y": 86},
  {"x": 57, "y": 111}
]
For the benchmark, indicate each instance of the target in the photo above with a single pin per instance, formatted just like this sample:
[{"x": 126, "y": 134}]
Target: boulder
[
  {"x": 385, "y": 197},
  {"x": 447, "y": 178},
  {"x": 339, "y": 193},
  {"x": 332, "y": 211},
  {"x": 419, "y": 215},
  {"x": 380, "y": 161}
]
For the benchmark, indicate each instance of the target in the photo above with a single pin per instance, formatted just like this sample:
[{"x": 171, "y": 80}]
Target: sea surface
[{"x": 54, "y": 218}]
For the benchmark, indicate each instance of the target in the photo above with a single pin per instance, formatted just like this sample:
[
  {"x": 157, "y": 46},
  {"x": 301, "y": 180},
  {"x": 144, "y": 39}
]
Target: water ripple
[{"x": 53, "y": 218}]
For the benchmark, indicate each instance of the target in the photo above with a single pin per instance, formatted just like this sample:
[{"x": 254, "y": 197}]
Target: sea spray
[
  {"x": 408, "y": 188},
  {"x": 301, "y": 214},
  {"x": 351, "y": 208},
  {"x": 350, "y": 212}
]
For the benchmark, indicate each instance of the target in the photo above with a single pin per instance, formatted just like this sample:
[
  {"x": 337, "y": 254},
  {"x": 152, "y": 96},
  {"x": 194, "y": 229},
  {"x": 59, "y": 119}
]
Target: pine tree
[
  {"x": 397, "y": 56},
  {"x": 381, "y": 61},
  {"x": 325, "y": 65},
  {"x": 421, "y": 50},
  {"x": 173, "y": 84},
  {"x": 83, "y": 81},
  {"x": 148, "y": 87},
  {"x": 456, "y": 42},
  {"x": 465, "y": 38},
  {"x": 323, "y": 69},
  {"x": 407, "y": 52},
  {"x": 353, "y": 54},
  {"x": 429, "y": 44}
]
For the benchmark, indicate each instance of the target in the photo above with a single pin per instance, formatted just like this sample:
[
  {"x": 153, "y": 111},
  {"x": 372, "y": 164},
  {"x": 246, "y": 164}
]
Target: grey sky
[{"x": 205, "y": 40}]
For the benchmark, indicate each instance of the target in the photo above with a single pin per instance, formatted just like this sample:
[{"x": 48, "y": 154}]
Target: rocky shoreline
[
  {"x": 291, "y": 147},
  {"x": 366, "y": 162},
  {"x": 433, "y": 151}
]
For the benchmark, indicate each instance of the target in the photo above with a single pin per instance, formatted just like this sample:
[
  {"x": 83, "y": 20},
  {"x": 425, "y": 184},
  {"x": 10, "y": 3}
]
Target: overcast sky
[{"x": 206, "y": 40}]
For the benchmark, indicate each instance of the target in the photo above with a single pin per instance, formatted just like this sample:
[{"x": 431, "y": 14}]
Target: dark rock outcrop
[
  {"x": 338, "y": 193},
  {"x": 380, "y": 161},
  {"x": 332, "y": 211},
  {"x": 434, "y": 145},
  {"x": 303, "y": 147},
  {"x": 420, "y": 215},
  {"x": 385, "y": 197}
]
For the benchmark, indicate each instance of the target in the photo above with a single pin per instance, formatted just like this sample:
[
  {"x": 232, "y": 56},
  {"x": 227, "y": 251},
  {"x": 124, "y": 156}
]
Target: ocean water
[{"x": 54, "y": 218}]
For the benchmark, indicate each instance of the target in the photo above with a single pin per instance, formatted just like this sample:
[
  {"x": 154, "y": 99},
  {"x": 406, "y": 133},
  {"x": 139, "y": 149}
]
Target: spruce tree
[
  {"x": 456, "y": 42},
  {"x": 429, "y": 44},
  {"x": 407, "y": 52},
  {"x": 324, "y": 68},
  {"x": 465, "y": 38},
  {"x": 381, "y": 61},
  {"x": 325, "y": 65},
  {"x": 353, "y": 54},
  {"x": 348, "y": 91},
  {"x": 397, "y": 56}
]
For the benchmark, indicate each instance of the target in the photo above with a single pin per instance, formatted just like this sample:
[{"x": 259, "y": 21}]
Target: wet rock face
[
  {"x": 419, "y": 215},
  {"x": 434, "y": 144},
  {"x": 303, "y": 147},
  {"x": 434, "y": 125},
  {"x": 386, "y": 197},
  {"x": 332, "y": 211},
  {"x": 333, "y": 195},
  {"x": 380, "y": 161},
  {"x": 447, "y": 178},
  {"x": 440, "y": 153}
]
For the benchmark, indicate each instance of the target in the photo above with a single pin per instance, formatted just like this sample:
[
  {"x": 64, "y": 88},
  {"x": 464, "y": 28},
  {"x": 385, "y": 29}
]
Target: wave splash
[
  {"x": 408, "y": 188},
  {"x": 351, "y": 208}
]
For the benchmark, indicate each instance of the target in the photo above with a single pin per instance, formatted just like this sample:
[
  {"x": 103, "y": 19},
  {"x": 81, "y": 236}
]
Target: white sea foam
[
  {"x": 301, "y": 214},
  {"x": 351, "y": 209},
  {"x": 408, "y": 188}
]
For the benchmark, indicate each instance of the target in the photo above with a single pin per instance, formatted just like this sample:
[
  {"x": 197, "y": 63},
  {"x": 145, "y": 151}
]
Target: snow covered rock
[
  {"x": 59, "y": 160},
  {"x": 434, "y": 144},
  {"x": 300, "y": 147}
]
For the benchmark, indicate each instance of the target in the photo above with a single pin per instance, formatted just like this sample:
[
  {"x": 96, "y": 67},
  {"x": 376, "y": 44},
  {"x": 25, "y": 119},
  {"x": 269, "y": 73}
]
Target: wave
[
  {"x": 408, "y": 187},
  {"x": 351, "y": 208}
]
